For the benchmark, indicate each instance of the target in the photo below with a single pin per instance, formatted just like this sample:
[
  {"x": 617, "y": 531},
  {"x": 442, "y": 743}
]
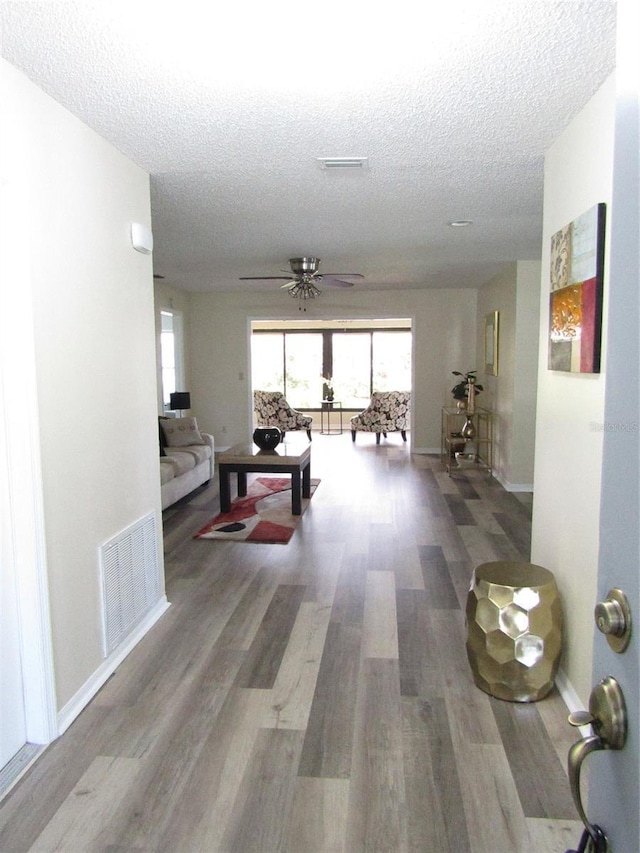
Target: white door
[
  {"x": 27, "y": 689},
  {"x": 12, "y": 715},
  {"x": 614, "y": 777},
  {"x": 12, "y": 721},
  {"x": 12, "y": 710}
]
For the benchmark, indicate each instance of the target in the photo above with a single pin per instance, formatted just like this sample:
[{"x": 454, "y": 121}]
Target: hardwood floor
[{"x": 315, "y": 696}]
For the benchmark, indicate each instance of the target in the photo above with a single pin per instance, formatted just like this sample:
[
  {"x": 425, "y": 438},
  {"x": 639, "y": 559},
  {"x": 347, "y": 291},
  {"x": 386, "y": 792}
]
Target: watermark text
[{"x": 614, "y": 426}]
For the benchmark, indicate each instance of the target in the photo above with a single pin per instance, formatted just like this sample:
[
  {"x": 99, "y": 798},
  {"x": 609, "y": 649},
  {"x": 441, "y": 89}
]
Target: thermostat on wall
[{"x": 141, "y": 238}]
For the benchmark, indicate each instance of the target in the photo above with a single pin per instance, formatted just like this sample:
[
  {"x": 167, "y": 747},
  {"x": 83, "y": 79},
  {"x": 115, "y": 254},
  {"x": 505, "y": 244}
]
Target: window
[
  {"x": 359, "y": 361},
  {"x": 391, "y": 361},
  {"x": 171, "y": 354},
  {"x": 351, "y": 368},
  {"x": 267, "y": 359},
  {"x": 303, "y": 366},
  {"x": 291, "y": 363}
]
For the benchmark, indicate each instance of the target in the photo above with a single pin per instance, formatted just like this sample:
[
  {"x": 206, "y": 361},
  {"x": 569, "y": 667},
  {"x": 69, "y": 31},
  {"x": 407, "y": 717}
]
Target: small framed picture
[{"x": 491, "y": 343}]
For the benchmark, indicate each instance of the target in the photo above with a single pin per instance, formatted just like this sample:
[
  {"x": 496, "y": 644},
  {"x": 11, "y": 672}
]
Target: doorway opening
[{"x": 354, "y": 358}]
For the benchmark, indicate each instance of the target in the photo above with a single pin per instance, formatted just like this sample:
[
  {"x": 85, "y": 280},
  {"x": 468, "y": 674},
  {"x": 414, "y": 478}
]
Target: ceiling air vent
[{"x": 342, "y": 162}]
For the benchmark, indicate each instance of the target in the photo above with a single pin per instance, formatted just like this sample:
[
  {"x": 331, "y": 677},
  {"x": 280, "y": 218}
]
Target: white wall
[
  {"x": 497, "y": 395},
  {"x": 511, "y": 395},
  {"x": 525, "y": 391},
  {"x": 566, "y": 508},
  {"x": 93, "y": 324},
  {"x": 444, "y": 340}
]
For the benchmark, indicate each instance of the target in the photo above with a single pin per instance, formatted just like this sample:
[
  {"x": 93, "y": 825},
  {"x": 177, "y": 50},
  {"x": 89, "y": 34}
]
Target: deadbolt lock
[{"x": 613, "y": 619}]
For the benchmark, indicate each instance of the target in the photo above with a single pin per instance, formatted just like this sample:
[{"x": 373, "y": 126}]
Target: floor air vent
[{"x": 131, "y": 580}]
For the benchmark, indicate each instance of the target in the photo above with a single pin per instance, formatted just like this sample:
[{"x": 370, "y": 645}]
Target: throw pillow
[
  {"x": 181, "y": 432},
  {"x": 163, "y": 440}
]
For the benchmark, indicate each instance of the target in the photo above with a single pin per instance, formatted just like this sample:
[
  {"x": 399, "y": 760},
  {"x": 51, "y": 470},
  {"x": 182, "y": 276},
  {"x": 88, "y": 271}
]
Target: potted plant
[
  {"x": 460, "y": 390},
  {"x": 327, "y": 388}
]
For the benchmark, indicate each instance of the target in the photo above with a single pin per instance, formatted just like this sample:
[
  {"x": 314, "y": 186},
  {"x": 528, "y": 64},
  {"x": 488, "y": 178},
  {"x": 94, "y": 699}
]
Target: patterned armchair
[
  {"x": 388, "y": 411},
  {"x": 273, "y": 410}
]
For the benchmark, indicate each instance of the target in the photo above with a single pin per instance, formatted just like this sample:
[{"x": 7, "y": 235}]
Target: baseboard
[
  {"x": 571, "y": 698},
  {"x": 89, "y": 689},
  {"x": 512, "y": 487},
  {"x": 427, "y": 451}
]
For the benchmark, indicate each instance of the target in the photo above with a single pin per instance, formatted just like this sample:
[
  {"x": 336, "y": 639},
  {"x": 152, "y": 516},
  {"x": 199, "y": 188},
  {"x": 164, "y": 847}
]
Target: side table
[
  {"x": 328, "y": 406},
  {"x": 514, "y": 630},
  {"x": 452, "y": 440}
]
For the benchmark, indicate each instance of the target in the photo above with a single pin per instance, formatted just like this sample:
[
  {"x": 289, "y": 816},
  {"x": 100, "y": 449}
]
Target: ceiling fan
[{"x": 304, "y": 278}]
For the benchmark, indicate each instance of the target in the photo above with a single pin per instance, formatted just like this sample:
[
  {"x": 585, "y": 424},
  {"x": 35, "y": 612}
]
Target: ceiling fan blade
[
  {"x": 265, "y": 278},
  {"x": 330, "y": 281},
  {"x": 306, "y": 275},
  {"x": 342, "y": 275}
]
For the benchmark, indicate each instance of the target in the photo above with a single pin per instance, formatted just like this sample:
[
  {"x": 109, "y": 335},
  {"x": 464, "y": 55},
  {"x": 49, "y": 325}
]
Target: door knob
[
  {"x": 613, "y": 619},
  {"x": 607, "y": 715}
]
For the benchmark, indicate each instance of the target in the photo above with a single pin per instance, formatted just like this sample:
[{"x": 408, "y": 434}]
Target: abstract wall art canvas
[{"x": 575, "y": 300}]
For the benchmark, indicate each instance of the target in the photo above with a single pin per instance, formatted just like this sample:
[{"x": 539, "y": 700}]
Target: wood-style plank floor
[{"x": 315, "y": 696}]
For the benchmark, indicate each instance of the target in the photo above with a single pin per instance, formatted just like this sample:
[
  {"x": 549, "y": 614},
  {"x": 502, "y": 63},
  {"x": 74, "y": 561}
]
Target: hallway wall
[
  {"x": 567, "y": 479},
  {"x": 93, "y": 333},
  {"x": 511, "y": 395}
]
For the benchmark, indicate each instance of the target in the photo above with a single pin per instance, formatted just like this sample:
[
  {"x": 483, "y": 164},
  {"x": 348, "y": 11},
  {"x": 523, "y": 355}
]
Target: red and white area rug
[{"x": 264, "y": 515}]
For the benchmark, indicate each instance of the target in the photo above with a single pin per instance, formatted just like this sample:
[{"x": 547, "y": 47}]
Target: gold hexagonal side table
[{"x": 514, "y": 630}]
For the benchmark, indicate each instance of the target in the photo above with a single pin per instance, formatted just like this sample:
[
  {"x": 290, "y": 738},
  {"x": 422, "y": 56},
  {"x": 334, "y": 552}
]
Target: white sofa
[{"x": 184, "y": 466}]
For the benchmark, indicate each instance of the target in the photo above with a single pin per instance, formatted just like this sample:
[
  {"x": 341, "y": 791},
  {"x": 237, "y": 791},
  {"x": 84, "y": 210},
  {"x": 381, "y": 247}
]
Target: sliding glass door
[{"x": 358, "y": 362}]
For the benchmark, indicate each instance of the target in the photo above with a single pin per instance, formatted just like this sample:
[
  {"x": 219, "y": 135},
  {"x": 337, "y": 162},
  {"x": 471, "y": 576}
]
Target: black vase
[{"x": 267, "y": 438}]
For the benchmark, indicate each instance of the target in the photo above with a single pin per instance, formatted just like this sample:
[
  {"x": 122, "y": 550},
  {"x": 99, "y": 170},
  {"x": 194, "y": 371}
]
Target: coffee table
[{"x": 287, "y": 458}]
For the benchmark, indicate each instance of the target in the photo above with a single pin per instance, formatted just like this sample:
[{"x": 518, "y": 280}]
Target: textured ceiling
[{"x": 228, "y": 111}]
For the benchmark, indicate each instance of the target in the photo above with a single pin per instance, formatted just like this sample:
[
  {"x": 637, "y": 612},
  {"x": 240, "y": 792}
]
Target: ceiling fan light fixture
[
  {"x": 342, "y": 162},
  {"x": 304, "y": 290}
]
